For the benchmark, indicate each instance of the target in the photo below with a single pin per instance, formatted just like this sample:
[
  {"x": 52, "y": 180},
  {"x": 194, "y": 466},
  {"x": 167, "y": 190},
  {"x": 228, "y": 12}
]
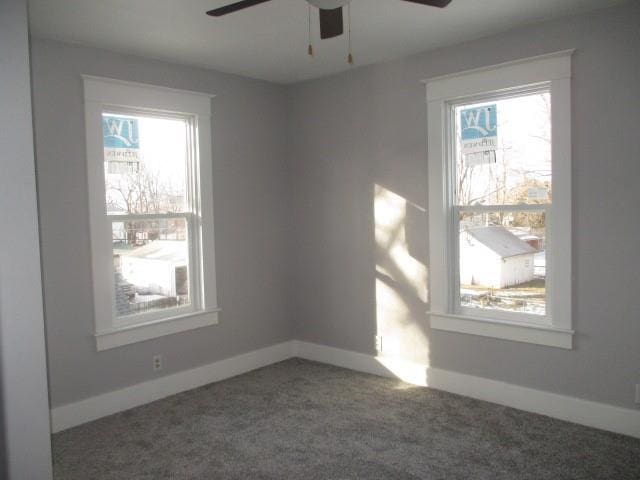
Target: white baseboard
[
  {"x": 584, "y": 412},
  {"x": 73, "y": 414},
  {"x": 571, "y": 409}
]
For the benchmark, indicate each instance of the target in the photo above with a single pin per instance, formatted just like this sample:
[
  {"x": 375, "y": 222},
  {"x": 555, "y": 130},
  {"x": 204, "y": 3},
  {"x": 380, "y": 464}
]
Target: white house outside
[
  {"x": 494, "y": 257},
  {"x": 152, "y": 276}
]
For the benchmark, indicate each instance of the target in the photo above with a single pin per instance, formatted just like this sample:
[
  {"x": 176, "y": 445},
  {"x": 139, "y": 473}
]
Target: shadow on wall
[{"x": 401, "y": 290}]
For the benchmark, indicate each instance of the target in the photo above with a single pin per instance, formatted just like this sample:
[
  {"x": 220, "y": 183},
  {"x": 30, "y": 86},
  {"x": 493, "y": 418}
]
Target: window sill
[
  {"x": 158, "y": 328},
  {"x": 520, "y": 332}
]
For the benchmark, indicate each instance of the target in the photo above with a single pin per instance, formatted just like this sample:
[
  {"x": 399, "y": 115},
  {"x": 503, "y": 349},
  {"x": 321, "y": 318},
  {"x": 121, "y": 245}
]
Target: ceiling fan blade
[
  {"x": 331, "y": 23},
  {"x": 234, "y": 7},
  {"x": 431, "y": 3}
]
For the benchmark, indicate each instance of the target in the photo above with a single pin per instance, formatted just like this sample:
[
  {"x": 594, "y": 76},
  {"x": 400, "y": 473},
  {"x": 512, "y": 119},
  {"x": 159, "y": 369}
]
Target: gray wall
[
  {"x": 25, "y": 451},
  {"x": 367, "y": 127},
  {"x": 251, "y": 220}
]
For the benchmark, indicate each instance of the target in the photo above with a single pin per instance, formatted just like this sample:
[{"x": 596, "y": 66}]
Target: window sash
[
  {"x": 454, "y": 274},
  {"x": 192, "y": 190},
  {"x": 195, "y": 282},
  {"x": 450, "y": 126}
]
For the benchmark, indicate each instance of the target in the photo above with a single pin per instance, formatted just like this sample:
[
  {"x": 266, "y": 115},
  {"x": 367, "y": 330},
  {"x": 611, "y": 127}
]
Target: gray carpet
[{"x": 304, "y": 420}]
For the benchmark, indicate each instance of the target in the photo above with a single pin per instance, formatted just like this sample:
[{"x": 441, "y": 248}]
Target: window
[
  {"x": 151, "y": 210},
  {"x": 500, "y": 201}
]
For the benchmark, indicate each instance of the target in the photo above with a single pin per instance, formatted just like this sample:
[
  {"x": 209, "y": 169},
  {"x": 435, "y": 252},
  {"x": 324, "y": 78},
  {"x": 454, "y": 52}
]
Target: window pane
[
  {"x": 503, "y": 151},
  {"x": 150, "y": 264},
  {"x": 502, "y": 261},
  {"x": 145, "y": 163}
]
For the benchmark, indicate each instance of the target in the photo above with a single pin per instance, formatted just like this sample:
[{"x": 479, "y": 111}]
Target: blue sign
[
  {"x": 479, "y": 122},
  {"x": 120, "y": 132},
  {"x": 479, "y": 135}
]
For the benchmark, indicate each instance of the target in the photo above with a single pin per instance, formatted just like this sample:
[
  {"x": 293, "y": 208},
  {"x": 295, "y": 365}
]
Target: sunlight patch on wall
[
  {"x": 401, "y": 286},
  {"x": 390, "y": 213}
]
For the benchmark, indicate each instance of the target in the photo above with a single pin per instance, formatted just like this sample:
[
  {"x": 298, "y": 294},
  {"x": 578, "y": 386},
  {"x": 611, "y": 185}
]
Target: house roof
[
  {"x": 501, "y": 241},
  {"x": 524, "y": 234},
  {"x": 174, "y": 251}
]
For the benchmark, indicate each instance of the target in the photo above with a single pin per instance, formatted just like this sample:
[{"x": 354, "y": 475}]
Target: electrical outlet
[
  {"x": 378, "y": 343},
  {"x": 157, "y": 363},
  {"x": 638, "y": 393}
]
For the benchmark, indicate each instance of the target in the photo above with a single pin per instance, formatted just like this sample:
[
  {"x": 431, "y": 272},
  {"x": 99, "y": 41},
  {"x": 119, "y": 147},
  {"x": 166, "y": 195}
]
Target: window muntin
[{"x": 501, "y": 181}]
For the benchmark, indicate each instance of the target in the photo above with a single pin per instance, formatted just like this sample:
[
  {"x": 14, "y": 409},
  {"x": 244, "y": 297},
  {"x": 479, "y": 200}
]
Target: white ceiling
[{"x": 269, "y": 41}]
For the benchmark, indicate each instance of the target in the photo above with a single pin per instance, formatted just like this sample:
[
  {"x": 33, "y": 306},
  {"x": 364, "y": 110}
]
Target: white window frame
[
  {"x": 106, "y": 95},
  {"x": 553, "y": 73}
]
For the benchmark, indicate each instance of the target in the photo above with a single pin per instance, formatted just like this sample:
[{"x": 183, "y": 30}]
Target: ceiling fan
[{"x": 331, "y": 23}]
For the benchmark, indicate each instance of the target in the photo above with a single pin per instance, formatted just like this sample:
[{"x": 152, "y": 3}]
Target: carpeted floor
[{"x": 304, "y": 420}]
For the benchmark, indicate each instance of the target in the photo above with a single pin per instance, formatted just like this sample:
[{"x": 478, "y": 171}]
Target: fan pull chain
[
  {"x": 310, "y": 49},
  {"x": 350, "y": 56}
]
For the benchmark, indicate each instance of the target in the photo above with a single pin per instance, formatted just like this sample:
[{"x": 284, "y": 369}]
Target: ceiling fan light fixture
[{"x": 331, "y": 21}]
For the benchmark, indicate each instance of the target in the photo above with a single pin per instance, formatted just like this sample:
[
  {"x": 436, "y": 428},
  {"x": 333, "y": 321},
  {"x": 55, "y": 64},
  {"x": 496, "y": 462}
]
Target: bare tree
[{"x": 141, "y": 191}]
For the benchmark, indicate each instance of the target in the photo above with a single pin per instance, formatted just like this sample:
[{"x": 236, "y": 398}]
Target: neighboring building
[
  {"x": 157, "y": 268},
  {"x": 494, "y": 257},
  {"x": 536, "y": 241}
]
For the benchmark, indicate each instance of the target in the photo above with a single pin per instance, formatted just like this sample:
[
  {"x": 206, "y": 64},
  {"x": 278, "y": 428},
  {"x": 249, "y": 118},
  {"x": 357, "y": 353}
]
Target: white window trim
[
  {"x": 553, "y": 70},
  {"x": 102, "y": 94}
]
